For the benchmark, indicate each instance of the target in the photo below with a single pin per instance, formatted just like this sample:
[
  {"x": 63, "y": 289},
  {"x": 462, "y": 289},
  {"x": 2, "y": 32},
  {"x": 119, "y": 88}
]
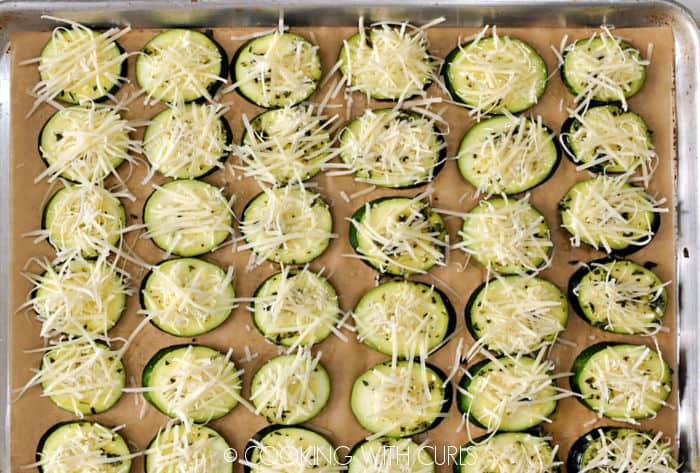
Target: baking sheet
[{"x": 32, "y": 414}]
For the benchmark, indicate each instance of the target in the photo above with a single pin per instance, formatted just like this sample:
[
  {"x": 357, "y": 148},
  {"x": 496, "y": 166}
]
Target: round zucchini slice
[
  {"x": 516, "y": 314},
  {"x": 293, "y": 449},
  {"x": 401, "y": 400},
  {"x": 393, "y": 148},
  {"x": 495, "y": 75},
  {"x": 187, "y": 217},
  {"x": 295, "y": 308},
  {"x": 84, "y": 144},
  {"x": 399, "y": 236},
  {"x": 188, "y": 141},
  {"x": 507, "y": 155},
  {"x": 187, "y": 297},
  {"x": 79, "y": 298},
  {"x": 82, "y": 376},
  {"x": 87, "y": 220},
  {"x": 277, "y": 70},
  {"x": 79, "y": 65},
  {"x": 508, "y": 394},
  {"x": 507, "y": 236},
  {"x": 613, "y": 449},
  {"x": 387, "y": 62},
  {"x": 286, "y": 145},
  {"x": 181, "y": 65},
  {"x": 610, "y": 215},
  {"x": 192, "y": 383},
  {"x": 619, "y": 296},
  {"x": 508, "y": 452},
  {"x": 405, "y": 319},
  {"x": 607, "y": 139},
  {"x": 190, "y": 447},
  {"x": 621, "y": 381},
  {"x": 82, "y": 446},
  {"x": 603, "y": 68},
  {"x": 290, "y": 389},
  {"x": 387, "y": 454},
  {"x": 287, "y": 225}
]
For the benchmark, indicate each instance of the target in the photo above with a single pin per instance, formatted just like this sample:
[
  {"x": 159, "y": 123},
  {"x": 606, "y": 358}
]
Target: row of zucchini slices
[{"x": 421, "y": 244}]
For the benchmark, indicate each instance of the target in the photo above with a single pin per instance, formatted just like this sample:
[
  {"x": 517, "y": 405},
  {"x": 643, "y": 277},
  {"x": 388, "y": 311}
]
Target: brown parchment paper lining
[{"x": 33, "y": 414}]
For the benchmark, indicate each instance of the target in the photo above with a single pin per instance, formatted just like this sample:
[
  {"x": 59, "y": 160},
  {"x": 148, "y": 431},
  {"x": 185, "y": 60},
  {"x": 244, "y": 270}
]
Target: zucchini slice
[
  {"x": 508, "y": 394},
  {"x": 187, "y": 217},
  {"x": 508, "y": 452},
  {"x": 82, "y": 376},
  {"x": 508, "y": 155},
  {"x": 291, "y": 389},
  {"x": 290, "y": 449},
  {"x": 507, "y": 236},
  {"x": 387, "y": 62},
  {"x": 286, "y": 145},
  {"x": 277, "y": 70},
  {"x": 188, "y": 141},
  {"x": 619, "y": 296},
  {"x": 295, "y": 308},
  {"x": 495, "y": 75},
  {"x": 82, "y": 446},
  {"x": 79, "y": 65},
  {"x": 186, "y": 297},
  {"x": 401, "y": 400},
  {"x": 607, "y": 139},
  {"x": 386, "y": 454},
  {"x": 614, "y": 449},
  {"x": 393, "y": 148},
  {"x": 603, "y": 68},
  {"x": 610, "y": 215},
  {"x": 287, "y": 225},
  {"x": 516, "y": 314},
  {"x": 188, "y": 447},
  {"x": 181, "y": 65},
  {"x": 399, "y": 236},
  {"x": 192, "y": 383},
  {"x": 621, "y": 381},
  {"x": 84, "y": 144},
  {"x": 79, "y": 298},
  {"x": 406, "y": 319},
  {"x": 87, "y": 220}
]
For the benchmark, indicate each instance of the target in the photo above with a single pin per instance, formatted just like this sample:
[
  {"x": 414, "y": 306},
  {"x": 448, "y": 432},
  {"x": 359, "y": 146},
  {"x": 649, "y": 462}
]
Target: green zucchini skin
[{"x": 464, "y": 451}]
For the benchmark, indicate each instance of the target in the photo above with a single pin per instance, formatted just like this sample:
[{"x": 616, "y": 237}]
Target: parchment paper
[{"x": 33, "y": 414}]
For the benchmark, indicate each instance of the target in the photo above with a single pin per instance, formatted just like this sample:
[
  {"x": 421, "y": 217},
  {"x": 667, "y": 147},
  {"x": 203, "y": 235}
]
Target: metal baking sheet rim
[{"x": 25, "y": 15}]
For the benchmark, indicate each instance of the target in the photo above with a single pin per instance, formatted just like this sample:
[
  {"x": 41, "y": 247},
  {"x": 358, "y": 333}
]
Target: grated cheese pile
[
  {"x": 290, "y": 144},
  {"x": 86, "y": 145},
  {"x": 187, "y": 140},
  {"x": 288, "y": 389},
  {"x": 387, "y": 61},
  {"x": 608, "y": 213},
  {"x": 291, "y": 451},
  {"x": 630, "y": 451},
  {"x": 603, "y": 68},
  {"x": 521, "y": 315},
  {"x": 517, "y": 452},
  {"x": 392, "y": 148},
  {"x": 188, "y": 448},
  {"x": 507, "y": 236},
  {"x": 78, "y": 65},
  {"x": 296, "y": 308},
  {"x": 78, "y": 297},
  {"x": 286, "y": 222}
]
